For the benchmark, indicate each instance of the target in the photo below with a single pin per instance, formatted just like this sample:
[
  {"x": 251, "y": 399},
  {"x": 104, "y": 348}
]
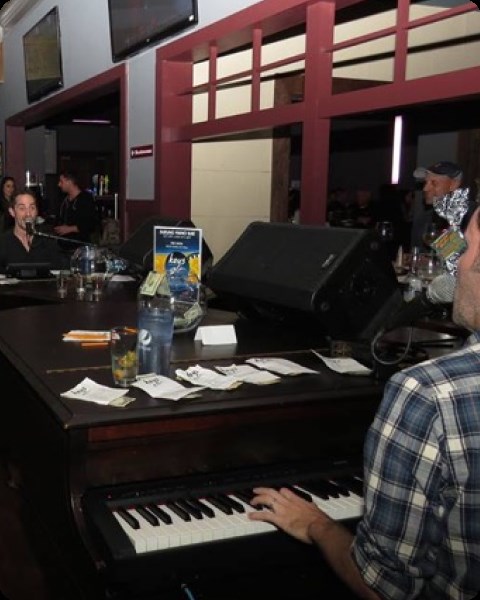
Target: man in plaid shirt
[{"x": 419, "y": 536}]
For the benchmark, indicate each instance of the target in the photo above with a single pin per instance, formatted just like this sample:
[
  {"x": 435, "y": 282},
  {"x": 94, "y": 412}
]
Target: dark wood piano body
[{"x": 59, "y": 450}]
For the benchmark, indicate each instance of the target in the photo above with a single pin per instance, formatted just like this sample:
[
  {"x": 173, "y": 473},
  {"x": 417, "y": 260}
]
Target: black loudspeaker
[
  {"x": 138, "y": 249},
  {"x": 340, "y": 279}
]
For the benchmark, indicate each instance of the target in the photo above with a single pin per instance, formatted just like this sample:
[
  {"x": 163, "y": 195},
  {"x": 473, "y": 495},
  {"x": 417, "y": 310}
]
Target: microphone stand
[{"x": 60, "y": 238}]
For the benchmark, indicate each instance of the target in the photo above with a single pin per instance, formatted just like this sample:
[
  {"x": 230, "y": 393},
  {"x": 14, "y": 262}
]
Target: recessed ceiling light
[{"x": 93, "y": 121}]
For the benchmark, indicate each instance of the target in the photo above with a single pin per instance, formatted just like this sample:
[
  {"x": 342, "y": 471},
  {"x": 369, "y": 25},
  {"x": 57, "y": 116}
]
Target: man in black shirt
[
  {"x": 18, "y": 246},
  {"x": 78, "y": 218}
]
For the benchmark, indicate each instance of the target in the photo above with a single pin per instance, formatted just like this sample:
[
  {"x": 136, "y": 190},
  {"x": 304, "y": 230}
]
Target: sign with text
[
  {"x": 141, "y": 151},
  {"x": 177, "y": 251}
]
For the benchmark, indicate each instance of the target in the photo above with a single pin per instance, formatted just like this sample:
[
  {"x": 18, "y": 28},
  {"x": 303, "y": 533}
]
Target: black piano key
[
  {"x": 179, "y": 511},
  {"x": 219, "y": 503},
  {"x": 147, "y": 515},
  {"x": 193, "y": 511},
  {"x": 206, "y": 510},
  {"x": 235, "y": 504},
  {"x": 161, "y": 514},
  {"x": 305, "y": 495},
  {"x": 128, "y": 518},
  {"x": 341, "y": 489},
  {"x": 321, "y": 488},
  {"x": 246, "y": 496},
  {"x": 351, "y": 483}
]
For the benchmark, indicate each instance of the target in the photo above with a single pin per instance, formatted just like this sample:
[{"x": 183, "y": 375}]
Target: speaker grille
[{"x": 339, "y": 276}]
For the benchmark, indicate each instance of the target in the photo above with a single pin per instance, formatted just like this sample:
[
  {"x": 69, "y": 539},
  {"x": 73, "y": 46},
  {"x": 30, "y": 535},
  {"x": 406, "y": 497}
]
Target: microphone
[
  {"x": 30, "y": 226},
  {"x": 32, "y": 230},
  {"x": 439, "y": 291}
]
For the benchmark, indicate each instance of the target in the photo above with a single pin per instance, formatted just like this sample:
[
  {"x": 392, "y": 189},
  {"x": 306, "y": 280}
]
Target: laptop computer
[{"x": 29, "y": 270}]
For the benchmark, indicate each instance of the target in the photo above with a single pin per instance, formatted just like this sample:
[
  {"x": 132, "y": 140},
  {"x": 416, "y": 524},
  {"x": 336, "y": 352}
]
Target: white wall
[{"x": 85, "y": 53}]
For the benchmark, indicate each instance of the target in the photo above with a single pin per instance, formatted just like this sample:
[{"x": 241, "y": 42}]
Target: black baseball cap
[{"x": 444, "y": 167}]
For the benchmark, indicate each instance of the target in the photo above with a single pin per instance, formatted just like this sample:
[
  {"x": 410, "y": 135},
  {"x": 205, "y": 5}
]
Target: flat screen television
[
  {"x": 138, "y": 24},
  {"x": 43, "y": 57}
]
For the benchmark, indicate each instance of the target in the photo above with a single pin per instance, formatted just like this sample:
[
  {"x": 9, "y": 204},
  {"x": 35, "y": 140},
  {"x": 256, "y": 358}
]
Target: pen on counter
[{"x": 94, "y": 344}]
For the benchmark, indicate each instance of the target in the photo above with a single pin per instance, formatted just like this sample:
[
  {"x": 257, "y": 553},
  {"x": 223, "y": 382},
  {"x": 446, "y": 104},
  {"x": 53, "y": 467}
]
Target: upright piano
[{"x": 152, "y": 500}]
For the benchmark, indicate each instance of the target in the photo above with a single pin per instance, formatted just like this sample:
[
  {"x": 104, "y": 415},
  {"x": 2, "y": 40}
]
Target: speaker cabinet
[
  {"x": 340, "y": 279},
  {"x": 138, "y": 249}
]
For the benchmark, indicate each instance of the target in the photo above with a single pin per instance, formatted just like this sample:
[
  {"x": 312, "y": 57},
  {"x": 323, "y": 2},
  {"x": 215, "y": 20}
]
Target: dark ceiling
[{"x": 105, "y": 107}]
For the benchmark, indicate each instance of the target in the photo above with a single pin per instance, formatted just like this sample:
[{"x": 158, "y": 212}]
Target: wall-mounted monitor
[
  {"x": 43, "y": 57},
  {"x": 138, "y": 24}
]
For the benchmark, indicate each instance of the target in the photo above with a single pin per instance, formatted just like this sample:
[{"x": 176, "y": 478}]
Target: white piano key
[
  {"x": 146, "y": 529},
  {"x": 255, "y": 526},
  {"x": 134, "y": 535},
  {"x": 156, "y": 536},
  {"x": 223, "y": 526},
  {"x": 181, "y": 528},
  {"x": 342, "y": 508},
  {"x": 227, "y": 523}
]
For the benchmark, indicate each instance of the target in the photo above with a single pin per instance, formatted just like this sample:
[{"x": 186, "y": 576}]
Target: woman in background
[{"x": 7, "y": 193}]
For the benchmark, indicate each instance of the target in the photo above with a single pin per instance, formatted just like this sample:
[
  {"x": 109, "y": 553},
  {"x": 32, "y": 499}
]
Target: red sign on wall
[{"x": 141, "y": 151}]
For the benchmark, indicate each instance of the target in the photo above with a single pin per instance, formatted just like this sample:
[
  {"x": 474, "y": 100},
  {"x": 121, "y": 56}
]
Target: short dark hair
[
  {"x": 73, "y": 177},
  {"x": 24, "y": 192}
]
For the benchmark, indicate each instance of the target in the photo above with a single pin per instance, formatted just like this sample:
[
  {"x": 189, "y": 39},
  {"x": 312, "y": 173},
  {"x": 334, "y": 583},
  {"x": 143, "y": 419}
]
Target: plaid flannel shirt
[{"x": 420, "y": 533}]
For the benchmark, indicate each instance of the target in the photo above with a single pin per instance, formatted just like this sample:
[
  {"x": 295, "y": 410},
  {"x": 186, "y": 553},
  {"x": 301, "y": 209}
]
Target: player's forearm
[{"x": 334, "y": 541}]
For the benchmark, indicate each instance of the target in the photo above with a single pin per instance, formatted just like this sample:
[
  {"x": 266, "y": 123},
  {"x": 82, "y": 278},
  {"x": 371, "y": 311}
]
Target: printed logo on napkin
[
  {"x": 91, "y": 391},
  {"x": 249, "y": 374},
  {"x": 282, "y": 366},
  {"x": 159, "y": 386},
  {"x": 198, "y": 375}
]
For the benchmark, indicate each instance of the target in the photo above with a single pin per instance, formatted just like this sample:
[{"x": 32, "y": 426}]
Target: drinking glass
[
  {"x": 385, "y": 230},
  {"x": 63, "y": 278},
  {"x": 431, "y": 232},
  {"x": 429, "y": 266},
  {"x": 123, "y": 350}
]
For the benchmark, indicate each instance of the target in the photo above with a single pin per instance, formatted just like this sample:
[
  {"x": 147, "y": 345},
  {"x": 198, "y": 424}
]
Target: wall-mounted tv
[
  {"x": 138, "y": 24},
  {"x": 43, "y": 57}
]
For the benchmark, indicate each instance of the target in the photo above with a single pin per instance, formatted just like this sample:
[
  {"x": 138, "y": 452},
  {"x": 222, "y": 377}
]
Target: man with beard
[{"x": 419, "y": 536}]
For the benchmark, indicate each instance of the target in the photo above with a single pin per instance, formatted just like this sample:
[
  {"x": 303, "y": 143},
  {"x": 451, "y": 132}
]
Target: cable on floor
[{"x": 188, "y": 592}]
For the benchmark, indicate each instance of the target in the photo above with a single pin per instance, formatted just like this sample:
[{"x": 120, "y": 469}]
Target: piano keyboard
[{"x": 179, "y": 522}]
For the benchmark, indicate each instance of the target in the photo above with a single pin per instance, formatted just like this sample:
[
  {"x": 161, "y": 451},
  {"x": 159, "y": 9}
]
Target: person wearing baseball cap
[{"x": 439, "y": 179}]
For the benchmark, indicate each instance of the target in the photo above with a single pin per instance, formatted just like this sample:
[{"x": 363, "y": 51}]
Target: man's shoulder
[
  {"x": 86, "y": 195},
  {"x": 6, "y": 235},
  {"x": 452, "y": 366}
]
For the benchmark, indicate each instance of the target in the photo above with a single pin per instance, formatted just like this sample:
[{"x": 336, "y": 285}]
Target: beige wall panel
[
  {"x": 236, "y": 155},
  {"x": 225, "y": 198},
  {"x": 231, "y": 193},
  {"x": 222, "y": 232}
]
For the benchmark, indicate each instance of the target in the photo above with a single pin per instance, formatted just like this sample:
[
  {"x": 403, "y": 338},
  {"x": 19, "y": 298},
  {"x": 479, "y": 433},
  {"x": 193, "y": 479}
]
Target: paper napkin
[
  {"x": 91, "y": 391},
  {"x": 345, "y": 365},
  {"x": 282, "y": 366},
  {"x": 159, "y": 386},
  {"x": 200, "y": 376},
  {"x": 249, "y": 374}
]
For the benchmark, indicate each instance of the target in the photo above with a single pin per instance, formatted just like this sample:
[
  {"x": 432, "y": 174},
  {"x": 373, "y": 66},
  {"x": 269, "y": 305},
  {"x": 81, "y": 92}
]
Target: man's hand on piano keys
[
  {"x": 308, "y": 523},
  {"x": 289, "y": 512}
]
